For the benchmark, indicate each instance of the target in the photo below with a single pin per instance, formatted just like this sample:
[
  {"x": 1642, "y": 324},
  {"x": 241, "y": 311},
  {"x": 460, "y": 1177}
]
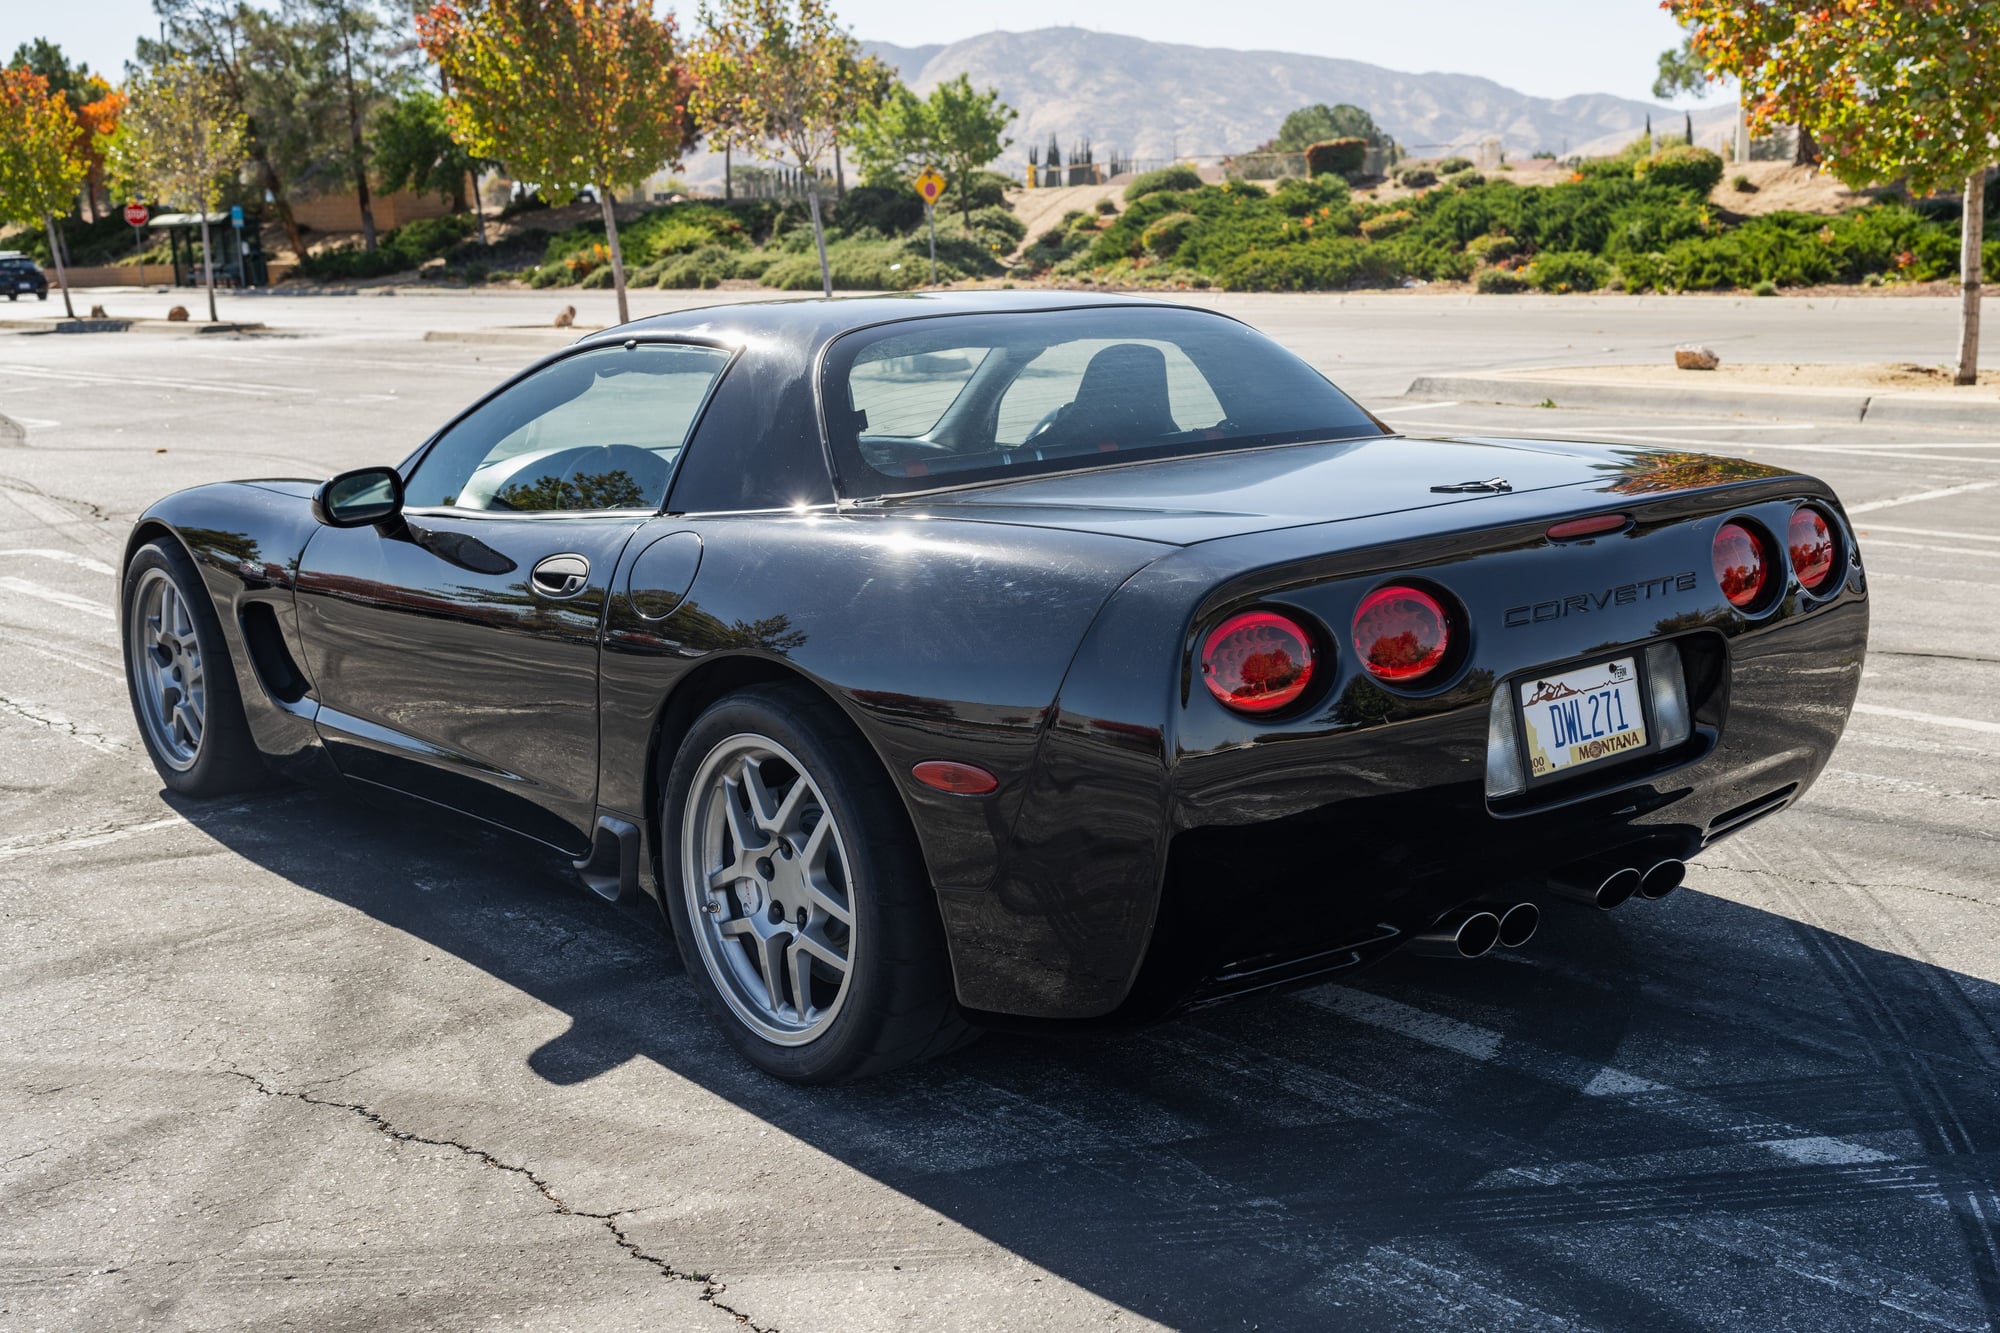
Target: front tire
[
  {"x": 799, "y": 900},
  {"x": 181, "y": 679}
]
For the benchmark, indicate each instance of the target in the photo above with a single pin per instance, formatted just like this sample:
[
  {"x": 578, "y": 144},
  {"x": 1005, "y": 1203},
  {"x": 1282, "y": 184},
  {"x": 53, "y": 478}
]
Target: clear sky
[{"x": 1551, "y": 48}]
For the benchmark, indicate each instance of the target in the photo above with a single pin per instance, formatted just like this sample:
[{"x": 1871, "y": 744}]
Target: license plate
[{"x": 1582, "y": 715}]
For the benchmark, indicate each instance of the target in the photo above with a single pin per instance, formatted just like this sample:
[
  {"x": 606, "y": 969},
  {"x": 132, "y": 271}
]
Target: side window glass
[
  {"x": 1049, "y": 384},
  {"x": 598, "y": 430}
]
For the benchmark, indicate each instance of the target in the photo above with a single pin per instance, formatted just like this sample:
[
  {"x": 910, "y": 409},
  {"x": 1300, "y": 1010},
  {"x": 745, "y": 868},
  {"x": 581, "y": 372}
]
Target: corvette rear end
[{"x": 1380, "y": 740}]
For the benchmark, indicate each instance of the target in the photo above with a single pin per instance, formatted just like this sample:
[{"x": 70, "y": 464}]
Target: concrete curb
[
  {"x": 1833, "y": 405},
  {"x": 135, "y": 325},
  {"x": 509, "y": 337}
]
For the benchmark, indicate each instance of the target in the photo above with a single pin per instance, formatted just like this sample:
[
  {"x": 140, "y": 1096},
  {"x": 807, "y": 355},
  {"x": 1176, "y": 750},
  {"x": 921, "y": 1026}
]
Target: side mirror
[{"x": 357, "y": 499}]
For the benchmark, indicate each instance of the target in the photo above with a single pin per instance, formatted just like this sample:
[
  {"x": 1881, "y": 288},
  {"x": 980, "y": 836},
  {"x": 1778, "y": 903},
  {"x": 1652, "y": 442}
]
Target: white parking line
[
  {"x": 74, "y": 603},
  {"x": 1877, "y": 543},
  {"x": 1938, "y": 494},
  {"x": 1931, "y": 719},
  {"x": 1917, "y": 532},
  {"x": 64, "y": 557},
  {"x": 74, "y": 842},
  {"x": 1591, "y": 1079},
  {"x": 1414, "y": 407}
]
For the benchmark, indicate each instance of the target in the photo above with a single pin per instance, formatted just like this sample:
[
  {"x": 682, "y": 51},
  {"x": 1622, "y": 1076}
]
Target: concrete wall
[
  {"x": 342, "y": 212},
  {"x": 128, "y": 275}
]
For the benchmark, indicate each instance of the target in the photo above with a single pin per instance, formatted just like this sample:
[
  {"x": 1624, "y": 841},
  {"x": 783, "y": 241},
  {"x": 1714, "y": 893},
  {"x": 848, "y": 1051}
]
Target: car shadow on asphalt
[{"x": 1673, "y": 1116}]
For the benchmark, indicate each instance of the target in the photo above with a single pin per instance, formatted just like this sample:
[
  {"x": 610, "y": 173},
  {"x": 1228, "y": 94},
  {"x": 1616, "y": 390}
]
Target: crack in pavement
[
  {"x": 1848, "y": 884},
  {"x": 29, "y": 711},
  {"x": 711, "y": 1290}
]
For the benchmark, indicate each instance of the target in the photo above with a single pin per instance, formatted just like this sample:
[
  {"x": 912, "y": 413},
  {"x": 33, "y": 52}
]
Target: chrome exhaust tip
[
  {"x": 1466, "y": 933},
  {"x": 1601, "y": 884},
  {"x": 1662, "y": 878},
  {"x": 1518, "y": 924}
]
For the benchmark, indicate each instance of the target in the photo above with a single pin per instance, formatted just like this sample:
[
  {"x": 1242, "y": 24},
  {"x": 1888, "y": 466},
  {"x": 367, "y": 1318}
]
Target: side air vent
[
  {"x": 280, "y": 675},
  {"x": 1731, "y": 820}
]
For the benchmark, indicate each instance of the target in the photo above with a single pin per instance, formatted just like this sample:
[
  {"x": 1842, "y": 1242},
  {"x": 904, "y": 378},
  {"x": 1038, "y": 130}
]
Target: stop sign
[{"x": 136, "y": 215}]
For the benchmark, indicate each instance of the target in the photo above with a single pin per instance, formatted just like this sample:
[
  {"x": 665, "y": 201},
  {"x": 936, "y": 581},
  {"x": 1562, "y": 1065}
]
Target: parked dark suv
[{"x": 20, "y": 275}]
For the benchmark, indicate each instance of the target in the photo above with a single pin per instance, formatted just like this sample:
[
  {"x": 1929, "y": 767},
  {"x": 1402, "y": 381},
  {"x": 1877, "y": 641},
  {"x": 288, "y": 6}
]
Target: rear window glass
[{"x": 966, "y": 398}]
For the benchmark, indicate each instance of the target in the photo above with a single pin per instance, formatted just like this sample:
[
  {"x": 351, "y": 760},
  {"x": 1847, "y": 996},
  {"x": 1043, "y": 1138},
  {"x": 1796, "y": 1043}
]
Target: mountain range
[{"x": 1157, "y": 101}]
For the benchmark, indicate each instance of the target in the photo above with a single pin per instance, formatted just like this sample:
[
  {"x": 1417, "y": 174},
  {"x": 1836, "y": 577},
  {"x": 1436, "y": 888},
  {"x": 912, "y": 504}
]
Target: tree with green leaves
[
  {"x": 1682, "y": 73},
  {"x": 771, "y": 76},
  {"x": 956, "y": 129},
  {"x": 183, "y": 141},
  {"x": 415, "y": 150},
  {"x": 1890, "y": 90},
  {"x": 40, "y": 165},
  {"x": 568, "y": 94},
  {"x": 358, "y": 70},
  {"x": 1319, "y": 123}
]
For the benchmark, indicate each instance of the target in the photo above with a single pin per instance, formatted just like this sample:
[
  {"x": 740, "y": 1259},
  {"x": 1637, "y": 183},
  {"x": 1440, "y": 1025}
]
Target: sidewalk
[{"x": 1876, "y": 394}]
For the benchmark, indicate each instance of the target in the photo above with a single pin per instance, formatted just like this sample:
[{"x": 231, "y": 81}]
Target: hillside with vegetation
[{"x": 1642, "y": 221}]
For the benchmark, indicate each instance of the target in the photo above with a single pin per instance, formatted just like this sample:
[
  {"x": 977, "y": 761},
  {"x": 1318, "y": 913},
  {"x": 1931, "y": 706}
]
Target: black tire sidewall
[
  {"x": 228, "y": 761},
  {"x": 888, "y": 880}
]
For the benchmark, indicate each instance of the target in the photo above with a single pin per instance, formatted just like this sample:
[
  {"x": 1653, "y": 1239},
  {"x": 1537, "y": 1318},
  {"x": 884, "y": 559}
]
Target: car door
[{"x": 454, "y": 652}]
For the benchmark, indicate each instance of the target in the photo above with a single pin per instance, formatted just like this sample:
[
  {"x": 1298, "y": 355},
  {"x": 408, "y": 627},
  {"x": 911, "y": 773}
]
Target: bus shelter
[{"x": 239, "y": 254}]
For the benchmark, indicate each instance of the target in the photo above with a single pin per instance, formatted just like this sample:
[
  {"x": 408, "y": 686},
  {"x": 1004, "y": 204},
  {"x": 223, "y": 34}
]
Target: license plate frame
[{"x": 1641, "y": 682}]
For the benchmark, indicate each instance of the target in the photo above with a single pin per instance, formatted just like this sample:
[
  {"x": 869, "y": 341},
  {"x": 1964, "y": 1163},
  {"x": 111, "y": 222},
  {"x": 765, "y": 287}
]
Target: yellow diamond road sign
[{"x": 930, "y": 184}]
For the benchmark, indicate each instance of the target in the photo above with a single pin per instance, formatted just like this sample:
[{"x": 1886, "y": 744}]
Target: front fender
[{"x": 245, "y": 538}]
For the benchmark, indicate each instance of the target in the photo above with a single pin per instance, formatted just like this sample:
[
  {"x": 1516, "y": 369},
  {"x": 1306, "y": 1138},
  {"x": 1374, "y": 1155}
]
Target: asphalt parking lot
[{"x": 298, "y": 1061}]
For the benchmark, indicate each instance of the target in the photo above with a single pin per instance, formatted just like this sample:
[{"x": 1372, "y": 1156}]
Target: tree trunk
[
  {"x": 55, "y": 253},
  {"x": 727, "y": 196},
  {"x": 1805, "y": 152},
  {"x": 294, "y": 237},
  {"x": 819, "y": 238},
  {"x": 839, "y": 175},
  {"x": 208, "y": 264},
  {"x": 360, "y": 149},
  {"x": 617, "y": 255},
  {"x": 1972, "y": 261},
  {"x": 479, "y": 209}
]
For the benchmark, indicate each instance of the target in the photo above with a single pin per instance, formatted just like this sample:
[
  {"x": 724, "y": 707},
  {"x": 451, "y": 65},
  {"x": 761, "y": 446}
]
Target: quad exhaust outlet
[{"x": 1473, "y": 931}]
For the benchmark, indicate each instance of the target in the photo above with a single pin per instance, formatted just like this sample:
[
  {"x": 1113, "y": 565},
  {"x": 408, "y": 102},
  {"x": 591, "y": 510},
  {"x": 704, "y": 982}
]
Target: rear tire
[
  {"x": 798, "y": 897},
  {"x": 181, "y": 679}
]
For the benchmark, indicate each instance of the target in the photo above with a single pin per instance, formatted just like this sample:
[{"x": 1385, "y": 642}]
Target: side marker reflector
[
  {"x": 1587, "y": 527},
  {"x": 954, "y": 778}
]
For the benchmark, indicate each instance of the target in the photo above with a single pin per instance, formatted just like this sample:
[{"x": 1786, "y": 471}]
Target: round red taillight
[
  {"x": 1810, "y": 542},
  {"x": 1742, "y": 565},
  {"x": 1257, "y": 662},
  {"x": 1400, "y": 634}
]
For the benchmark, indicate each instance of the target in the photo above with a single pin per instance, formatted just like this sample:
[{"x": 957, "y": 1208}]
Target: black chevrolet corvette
[{"x": 946, "y": 661}]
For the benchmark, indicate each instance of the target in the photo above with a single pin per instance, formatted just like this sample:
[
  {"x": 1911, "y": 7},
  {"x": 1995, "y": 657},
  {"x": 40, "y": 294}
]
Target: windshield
[{"x": 966, "y": 398}]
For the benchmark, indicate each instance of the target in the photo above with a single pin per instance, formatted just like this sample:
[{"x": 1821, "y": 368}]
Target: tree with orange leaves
[
  {"x": 40, "y": 168},
  {"x": 1890, "y": 89},
  {"x": 97, "y": 122},
  {"x": 566, "y": 93}
]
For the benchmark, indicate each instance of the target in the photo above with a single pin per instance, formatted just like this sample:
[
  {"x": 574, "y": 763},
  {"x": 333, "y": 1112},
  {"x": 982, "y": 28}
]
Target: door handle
[{"x": 560, "y": 575}]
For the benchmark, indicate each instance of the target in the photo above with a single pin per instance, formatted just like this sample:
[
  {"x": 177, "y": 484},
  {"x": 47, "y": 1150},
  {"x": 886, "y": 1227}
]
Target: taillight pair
[
  {"x": 1260, "y": 661},
  {"x": 1743, "y": 560}
]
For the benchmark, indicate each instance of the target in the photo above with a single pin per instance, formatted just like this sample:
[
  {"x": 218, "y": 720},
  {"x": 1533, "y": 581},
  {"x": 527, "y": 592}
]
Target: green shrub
[
  {"x": 1464, "y": 180},
  {"x": 1681, "y": 167},
  {"x": 1177, "y": 177},
  {"x": 395, "y": 251},
  {"x": 1336, "y": 157},
  {"x": 891, "y": 210},
  {"x": 1743, "y": 184},
  {"x": 1451, "y": 166},
  {"x": 1416, "y": 178},
  {"x": 597, "y": 279},
  {"x": 1384, "y": 225},
  {"x": 1491, "y": 249},
  {"x": 997, "y": 226},
  {"x": 1498, "y": 281},
  {"x": 707, "y": 267},
  {"x": 1106, "y": 207},
  {"x": 1166, "y": 236},
  {"x": 1567, "y": 271},
  {"x": 1331, "y": 263},
  {"x": 1765, "y": 288},
  {"x": 984, "y": 189}
]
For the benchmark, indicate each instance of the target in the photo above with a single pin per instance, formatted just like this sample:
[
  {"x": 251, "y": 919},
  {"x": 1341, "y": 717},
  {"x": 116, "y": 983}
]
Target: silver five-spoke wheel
[
  {"x": 769, "y": 889},
  {"x": 167, "y": 680}
]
